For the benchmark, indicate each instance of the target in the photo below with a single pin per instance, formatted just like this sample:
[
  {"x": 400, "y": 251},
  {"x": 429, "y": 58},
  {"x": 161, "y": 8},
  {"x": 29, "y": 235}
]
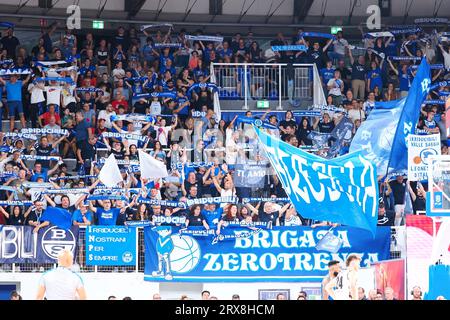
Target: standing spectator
[
  {"x": 14, "y": 98},
  {"x": 10, "y": 43},
  {"x": 339, "y": 47},
  {"x": 37, "y": 101},
  {"x": 336, "y": 87},
  {"x": 398, "y": 187},
  {"x": 358, "y": 76},
  {"x": 46, "y": 36}
]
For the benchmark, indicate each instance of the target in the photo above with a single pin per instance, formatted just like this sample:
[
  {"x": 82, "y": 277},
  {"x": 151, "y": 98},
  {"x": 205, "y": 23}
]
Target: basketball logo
[
  {"x": 417, "y": 160},
  {"x": 185, "y": 255}
]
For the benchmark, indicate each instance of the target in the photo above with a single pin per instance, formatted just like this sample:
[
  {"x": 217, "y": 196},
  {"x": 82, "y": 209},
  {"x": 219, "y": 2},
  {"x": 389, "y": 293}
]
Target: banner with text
[
  {"x": 249, "y": 175},
  {"x": 18, "y": 244},
  {"x": 281, "y": 254},
  {"x": 110, "y": 246},
  {"x": 419, "y": 149}
]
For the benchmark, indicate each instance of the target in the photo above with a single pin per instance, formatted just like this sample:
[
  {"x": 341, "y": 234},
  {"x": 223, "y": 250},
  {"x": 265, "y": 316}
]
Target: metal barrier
[
  {"x": 398, "y": 251},
  {"x": 266, "y": 81}
]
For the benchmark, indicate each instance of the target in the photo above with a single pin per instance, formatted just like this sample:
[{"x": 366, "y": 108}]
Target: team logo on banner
[
  {"x": 278, "y": 254},
  {"x": 420, "y": 148},
  {"x": 54, "y": 240}
]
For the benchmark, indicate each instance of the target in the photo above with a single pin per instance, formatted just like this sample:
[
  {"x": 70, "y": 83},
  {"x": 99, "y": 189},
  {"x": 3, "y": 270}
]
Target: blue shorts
[{"x": 15, "y": 106}]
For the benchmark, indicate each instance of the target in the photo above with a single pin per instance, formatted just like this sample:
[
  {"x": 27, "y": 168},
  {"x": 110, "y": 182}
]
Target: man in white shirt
[
  {"x": 37, "y": 101},
  {"x": 54, "y": 94},
  {"x": 106, "y": 115},
  {"x": 61, "y": 283}
]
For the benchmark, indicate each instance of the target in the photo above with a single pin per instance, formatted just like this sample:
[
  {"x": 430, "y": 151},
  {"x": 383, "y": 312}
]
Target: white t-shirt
[
  {"x": 292, "y": 221},
  {"x": 155, "y": 108},
  {"x": 231, "y": 146},
  {"x": 446, "y": 56},
  {"x": 335, "y": 85},
  {"x": 37, "y": 94},
  {"x": 103, "y": 114},
  {"x": 61, "y": 284},
  {"x": 355, "y": 114},
  {"x": 339, "y": 46},
  {"x": 162, "y": 134},
  {"x": 68, "y": 96},
  {"x": 53, "y": 94}
]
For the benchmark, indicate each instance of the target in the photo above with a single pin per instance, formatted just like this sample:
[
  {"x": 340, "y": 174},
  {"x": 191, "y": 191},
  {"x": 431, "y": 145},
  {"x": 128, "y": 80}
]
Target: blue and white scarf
[
  {"x": 404, "y": 58},
  {"x": 44, "y": 131},
  {"x": 7, "y": 62},
  {"x": 133, "y": 117},
  {"x": 196, "y": 232},
  {"x": 107, "y": 197},
  {"x": 15, "y": 203},
  {"x": 247, "y": 200},
  {"x": 67, "y": 191},
  {"x": 216, "y": 200},
  {"x": 155, "y": 94},
  {"x": 59, "y": 79},
  {"x": 157, "y": 25},
  {"x": 8, "y": 149},
  {"x": 431, "y": 21},
  {"x": 34, "y": 157},
  {"x": 444, "y": 93},
  {"x": 402, "y": 31},
  {"x": 328, "y": 108},
  {"x": 165, "y": 203},
  {"x": 244, "y": 234},
  {"x": 208, "y": 85},
  {"x": 203, "y": 38},
  {"x": 128, "y": 136},
  {"x": 52, "y": 63},
  {"x": 317, "y": 35},
  {"x": 37, "y": 185},
  {"x": 439, "y": 84},
  {"x": 89, "y": 89},
  {"x": 77, "y": 177},
  {"x": 168, "y": 45},
  {"x": 18, "y": 71},
  {"x": 372, "y": 35},
  {"x": 307, "y": 114},
  {"x": 299, "y": 47},
  {"x": 193, "y": 165},
  {"x": 438, "y": 102},
  {"x": 160, "y": 219},
  {"x": 255, "y": 122}
]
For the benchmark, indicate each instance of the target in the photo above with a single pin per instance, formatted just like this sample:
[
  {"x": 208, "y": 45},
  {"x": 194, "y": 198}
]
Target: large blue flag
[
  {"x": 341, "y": 190},
  {"x": 376, "y": 134},
  {"x": 383, "y": 135},
  {"x": 58, "y": 216}
]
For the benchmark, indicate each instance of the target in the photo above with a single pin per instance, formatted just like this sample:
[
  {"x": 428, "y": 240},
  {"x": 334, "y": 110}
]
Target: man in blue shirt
[
  {"x": 82, "y": 216},
  {"x": 106, "y": 216},
  {"x": 212, "y": 214},
  {"x": 14, "y": 97}
]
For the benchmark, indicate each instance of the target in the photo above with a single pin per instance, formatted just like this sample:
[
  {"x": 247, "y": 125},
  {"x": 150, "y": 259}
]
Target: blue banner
[
  {"x": 249, "y": 175},
  {"x": 18, "y": 244},
  {"x": 110, "y": 246},
  {"x": 282, "y": 254},
  {"x": 410, "y": 115},
  {"x": 376, "y": 134},
  {"x": 341, "y": 190},
  {"x": 383, "y": 135},
  {"x": 58, "y": 216}
]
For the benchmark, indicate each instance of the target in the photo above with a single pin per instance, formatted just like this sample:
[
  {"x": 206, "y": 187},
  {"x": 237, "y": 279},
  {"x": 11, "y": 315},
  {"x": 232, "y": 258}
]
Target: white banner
[{"x": 420, "y": 147}]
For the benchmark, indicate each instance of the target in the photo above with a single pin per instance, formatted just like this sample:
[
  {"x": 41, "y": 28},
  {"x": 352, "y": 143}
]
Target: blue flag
[
  {"x": 341, "y": 190},
  {"x": 58, "y": 216},
  {"x": 376, "y": 134},
  {"x": 409, "y": 117},
  {"x": 383, "y": 135}
]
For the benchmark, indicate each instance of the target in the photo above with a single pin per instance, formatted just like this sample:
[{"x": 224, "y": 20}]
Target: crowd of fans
[{"x": 90, "y": 85}]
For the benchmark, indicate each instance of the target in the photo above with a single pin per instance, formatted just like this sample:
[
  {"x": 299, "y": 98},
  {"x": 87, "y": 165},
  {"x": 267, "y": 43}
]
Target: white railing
[{"x": 267, "y": 81}]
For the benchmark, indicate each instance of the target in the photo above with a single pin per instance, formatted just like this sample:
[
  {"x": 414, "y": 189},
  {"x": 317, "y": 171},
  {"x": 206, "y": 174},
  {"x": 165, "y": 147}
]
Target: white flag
[
  {"x": 110, "y": 174},
  {"x": 150, "y": 167}
]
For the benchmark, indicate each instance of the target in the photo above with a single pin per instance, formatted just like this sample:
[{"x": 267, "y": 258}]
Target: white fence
[{"x": 280, "y": 82}]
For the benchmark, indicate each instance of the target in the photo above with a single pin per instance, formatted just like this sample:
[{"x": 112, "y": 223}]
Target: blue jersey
[
  {"x": 107, "y": 217},
  {"x": 375, "y": 78},
  {"x": 78, "y": 217},
  {"x": 212, "y": 217},
  {"x": 327, "y": 74}
]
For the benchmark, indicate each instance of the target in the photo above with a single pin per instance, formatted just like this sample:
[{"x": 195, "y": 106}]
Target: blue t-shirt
[
  {"x": 327, "y": 74},
  {"x": 375, "y": 78},
  {"x": 14, "y": 91},
  {"x": 81, "y": 131},
  {"x": 107, "y": 218},
  {"x": 180, "y": 101},
  {"x": 36, "y": 176},
  {"x": 83, "y": 70},
  {"x": 404, "y": 80},
  {"x": 78, "y": 217},
  {"x": 147, "y": 51},
  {"x": 212, "y": 217}
]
